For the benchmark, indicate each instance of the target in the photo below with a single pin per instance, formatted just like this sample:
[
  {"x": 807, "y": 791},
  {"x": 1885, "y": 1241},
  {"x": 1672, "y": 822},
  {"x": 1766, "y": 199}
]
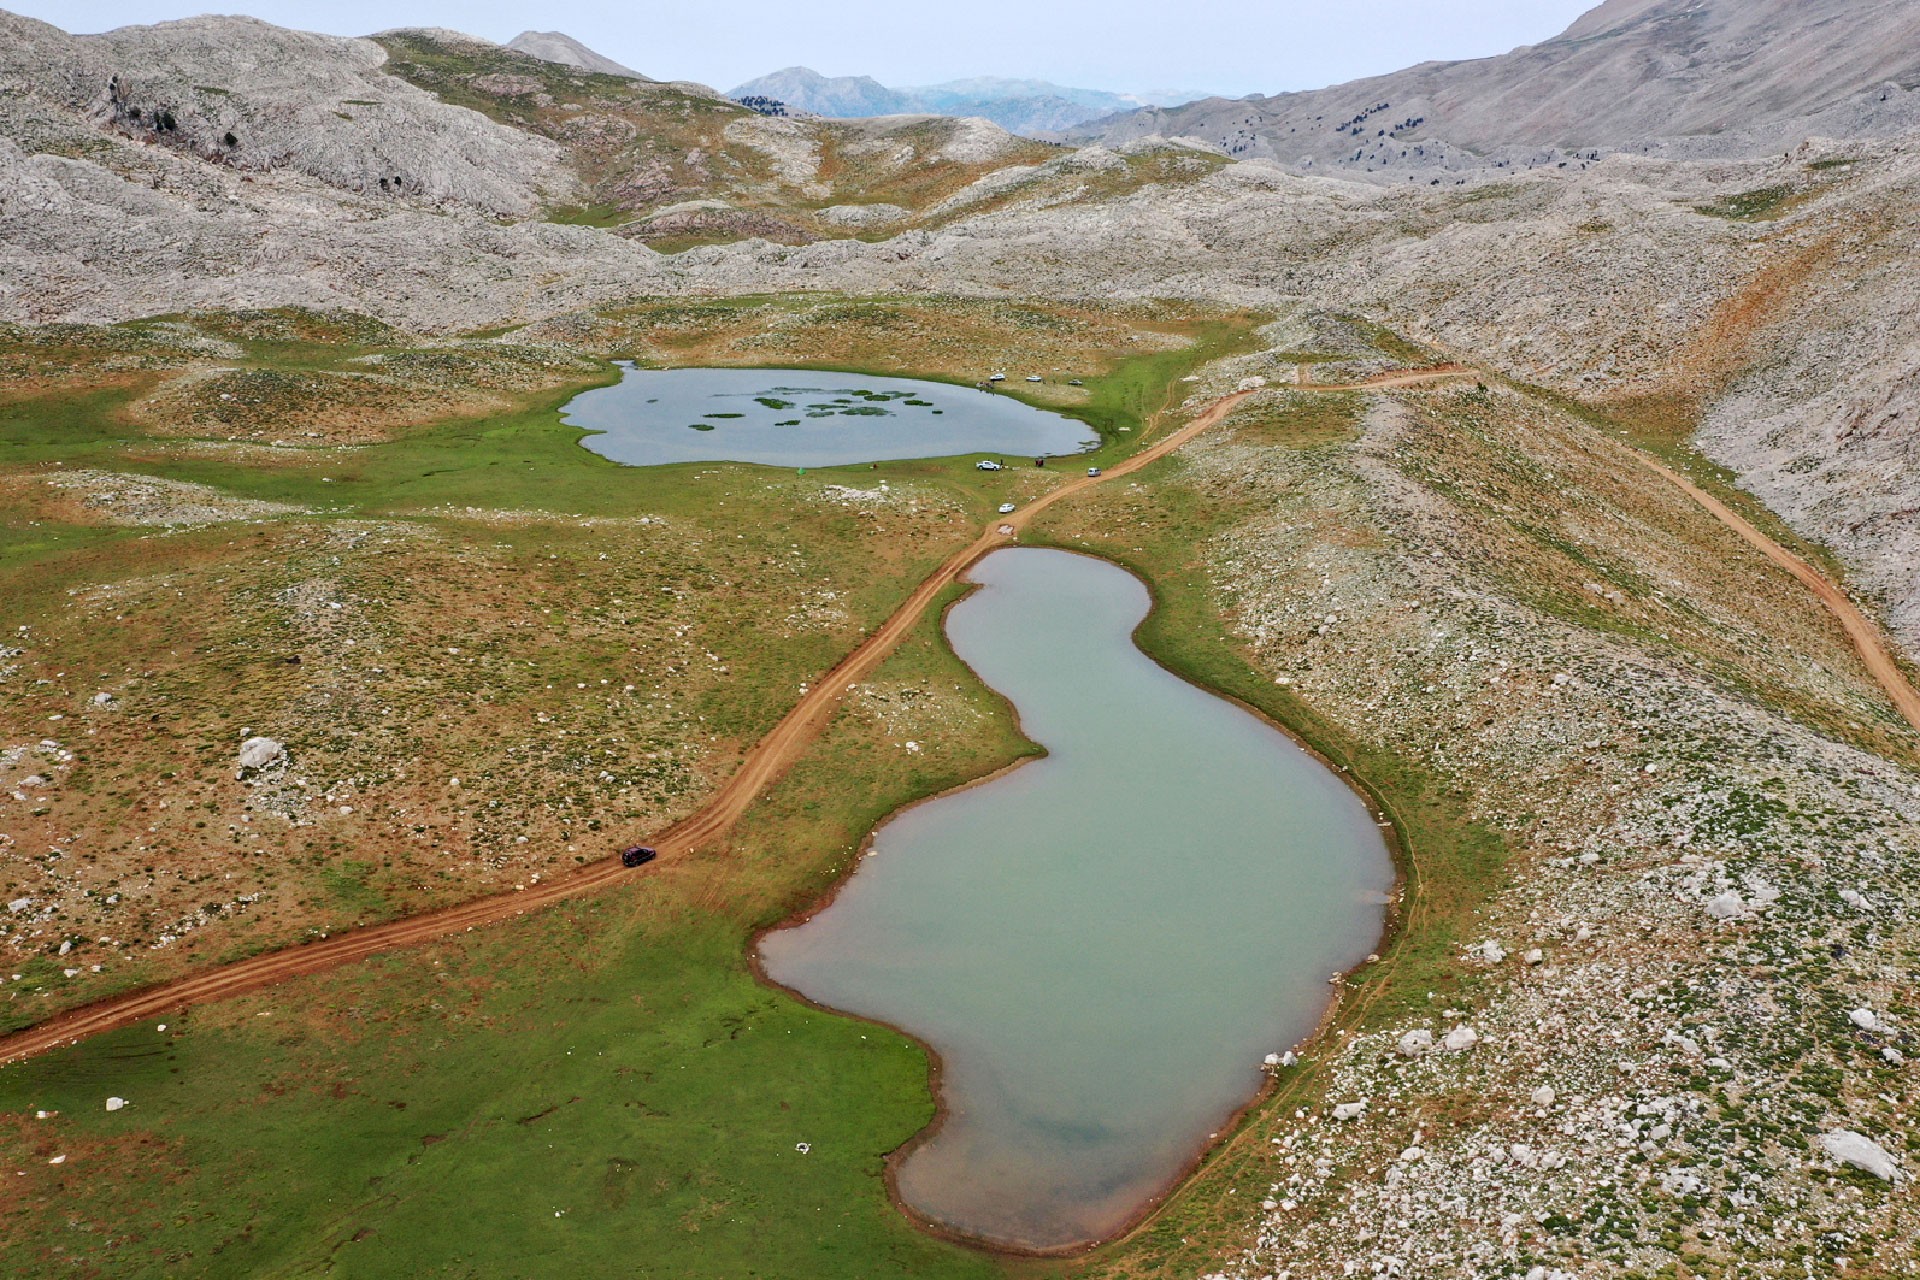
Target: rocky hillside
[
  {"x": 422, "y": 176},
  {"x": 1742, "y": 77},
  {"x": 249, "y": 98}
]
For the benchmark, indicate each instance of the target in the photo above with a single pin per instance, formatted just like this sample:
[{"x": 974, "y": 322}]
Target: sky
[{"x": 1222, "y": 46}]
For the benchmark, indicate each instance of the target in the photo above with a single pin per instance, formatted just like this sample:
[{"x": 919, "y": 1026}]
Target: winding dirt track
[
  {"x": 777, "y": 752},
  {"x": 1866, "y": 637},
  {"x": 764, "y": 765},
  {"x": 1868, "y": 640}
]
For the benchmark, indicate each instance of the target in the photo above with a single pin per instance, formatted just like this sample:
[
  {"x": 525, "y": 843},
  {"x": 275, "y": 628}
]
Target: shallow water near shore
[
  {"x": 806, "y": 418},
  {"x": 1101, "y": 945}
]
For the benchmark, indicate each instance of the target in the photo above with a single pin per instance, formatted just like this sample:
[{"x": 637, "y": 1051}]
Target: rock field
[{"x": 1660, "y": 998}]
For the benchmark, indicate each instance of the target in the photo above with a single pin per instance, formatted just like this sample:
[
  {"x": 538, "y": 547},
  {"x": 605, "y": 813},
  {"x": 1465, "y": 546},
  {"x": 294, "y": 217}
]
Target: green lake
[{"x": 1101, "y": 945}]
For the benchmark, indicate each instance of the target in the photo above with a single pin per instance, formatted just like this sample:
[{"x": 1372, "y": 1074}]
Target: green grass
[
  {"x": 1752, "y": 206},
  {"x": 589, "y": 215},
  {"x": 602, "y": 1086}
]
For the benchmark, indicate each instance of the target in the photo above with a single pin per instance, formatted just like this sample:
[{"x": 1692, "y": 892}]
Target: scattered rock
[{"x": 1727, "y": 906}]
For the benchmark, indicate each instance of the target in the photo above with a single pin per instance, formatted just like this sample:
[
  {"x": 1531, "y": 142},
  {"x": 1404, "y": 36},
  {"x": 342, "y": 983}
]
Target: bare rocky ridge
[
  {"x": 1739, "y": 72},
  {"x": 246, "y": 96}
]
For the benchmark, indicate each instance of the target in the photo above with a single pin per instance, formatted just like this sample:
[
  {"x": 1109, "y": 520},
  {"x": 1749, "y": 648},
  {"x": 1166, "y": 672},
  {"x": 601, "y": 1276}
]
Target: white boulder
[
  {"x": 1415, "y": 1043},
  {"x": 1860, "y": 1151},
  {"x": 1864, "y": 1019},
  {"x": 258, "y": 753},
  {"x": 1350, "y": 1110},
  {"x": 1728, "y": 906}
]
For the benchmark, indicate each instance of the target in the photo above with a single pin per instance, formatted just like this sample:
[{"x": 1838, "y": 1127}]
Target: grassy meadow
[{"x": 537, "y": 656}]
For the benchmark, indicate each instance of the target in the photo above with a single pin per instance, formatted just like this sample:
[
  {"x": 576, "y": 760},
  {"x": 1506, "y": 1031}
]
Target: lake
[
  {"x": 1104, "y": 944},
  {"x": 805, "y": 418}
]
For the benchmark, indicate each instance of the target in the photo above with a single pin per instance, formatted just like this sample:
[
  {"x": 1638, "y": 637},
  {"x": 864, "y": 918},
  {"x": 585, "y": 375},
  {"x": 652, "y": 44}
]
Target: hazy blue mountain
[
  {"x": 804, "y": 89},
  {"x": 557, "y": 46},
  {"x": 1021, "y": 106}
]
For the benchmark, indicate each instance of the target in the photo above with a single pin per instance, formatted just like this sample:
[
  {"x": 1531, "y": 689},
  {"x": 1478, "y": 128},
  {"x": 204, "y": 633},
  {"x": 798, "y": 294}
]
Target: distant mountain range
[{"x": 1019, "y": 106}]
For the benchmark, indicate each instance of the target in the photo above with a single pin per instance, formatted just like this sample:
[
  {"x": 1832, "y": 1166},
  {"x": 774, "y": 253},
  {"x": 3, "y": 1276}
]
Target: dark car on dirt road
[{"x": 638, "y": 856}]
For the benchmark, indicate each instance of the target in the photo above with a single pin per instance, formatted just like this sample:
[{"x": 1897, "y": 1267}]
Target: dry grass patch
[
  {"x": 468, "y": 699},
  {"x": 957, "y": 339}
]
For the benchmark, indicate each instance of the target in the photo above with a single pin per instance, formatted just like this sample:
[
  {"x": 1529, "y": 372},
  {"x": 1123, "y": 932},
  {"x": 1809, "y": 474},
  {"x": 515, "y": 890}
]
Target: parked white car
[{"x": 1006, "y": 508}]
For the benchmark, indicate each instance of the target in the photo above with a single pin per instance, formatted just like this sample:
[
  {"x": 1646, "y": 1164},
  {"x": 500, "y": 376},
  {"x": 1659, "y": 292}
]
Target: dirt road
[
  {"x": 1303, "y": 378},
  {"x": 1860, "y": 629},
  {"x": 769, "y": 759}
]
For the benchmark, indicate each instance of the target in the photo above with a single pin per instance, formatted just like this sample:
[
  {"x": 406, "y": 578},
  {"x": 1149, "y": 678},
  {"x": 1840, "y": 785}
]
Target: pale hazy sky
[{"x": 1228, "y": 46}]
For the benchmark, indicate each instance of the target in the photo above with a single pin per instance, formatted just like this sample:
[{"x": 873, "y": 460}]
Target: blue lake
[{"x": 805, "y": 418}]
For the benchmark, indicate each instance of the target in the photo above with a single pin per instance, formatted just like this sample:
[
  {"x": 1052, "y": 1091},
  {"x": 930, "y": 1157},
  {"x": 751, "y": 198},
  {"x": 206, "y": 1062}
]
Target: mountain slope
[
  {"x": 253, "y": 98},
  {"x": 1627, "y": 73}
]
